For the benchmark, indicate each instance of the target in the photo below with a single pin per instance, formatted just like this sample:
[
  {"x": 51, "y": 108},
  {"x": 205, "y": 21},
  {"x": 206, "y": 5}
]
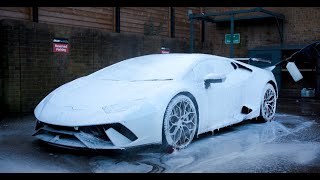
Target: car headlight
[{"x": 125, "y": 106}]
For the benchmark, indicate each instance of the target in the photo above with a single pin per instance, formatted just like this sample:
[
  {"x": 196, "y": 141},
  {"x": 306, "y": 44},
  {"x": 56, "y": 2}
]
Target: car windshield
[{"x": 146, "y": 68}]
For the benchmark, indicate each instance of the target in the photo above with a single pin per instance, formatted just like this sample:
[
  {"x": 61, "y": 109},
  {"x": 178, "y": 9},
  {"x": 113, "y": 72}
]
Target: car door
[
  {"x": 222, "y": 98},
  {"x": 234, "y": 89}
]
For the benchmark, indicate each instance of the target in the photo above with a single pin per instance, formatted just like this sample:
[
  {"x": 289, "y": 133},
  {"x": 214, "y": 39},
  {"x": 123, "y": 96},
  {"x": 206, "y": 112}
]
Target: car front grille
[{"x": 84, "y": 136}]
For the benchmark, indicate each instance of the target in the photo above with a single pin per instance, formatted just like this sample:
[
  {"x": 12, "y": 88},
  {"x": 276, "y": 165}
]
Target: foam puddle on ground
[
  {"x": 247, "y": 148},
  {"x": 108, "y": 166},
  {"x": 274, "y": 129}
]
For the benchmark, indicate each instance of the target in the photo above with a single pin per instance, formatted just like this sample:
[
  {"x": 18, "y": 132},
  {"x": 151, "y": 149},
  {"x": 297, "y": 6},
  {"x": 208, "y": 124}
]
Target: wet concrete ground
[
  {"x": 289, "y": 144},
  {"x": 309, "y": 107}
]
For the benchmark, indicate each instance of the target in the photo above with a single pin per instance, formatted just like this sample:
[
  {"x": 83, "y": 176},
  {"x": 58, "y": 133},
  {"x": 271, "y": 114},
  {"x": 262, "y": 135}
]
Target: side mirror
[{"x": 213, "y": 78}]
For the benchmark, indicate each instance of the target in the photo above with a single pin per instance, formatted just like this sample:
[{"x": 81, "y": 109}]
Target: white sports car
[{"x": 165, "y": 99}]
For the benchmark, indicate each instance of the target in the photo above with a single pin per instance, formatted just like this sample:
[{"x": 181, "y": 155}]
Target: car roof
[{"x": 181, "y": 56}]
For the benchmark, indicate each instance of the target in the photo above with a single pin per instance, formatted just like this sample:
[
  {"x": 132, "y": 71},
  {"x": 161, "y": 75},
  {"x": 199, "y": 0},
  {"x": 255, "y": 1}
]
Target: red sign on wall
[
  {"x": 165, "y": 50},
  {"x": 59, "y": 47}
]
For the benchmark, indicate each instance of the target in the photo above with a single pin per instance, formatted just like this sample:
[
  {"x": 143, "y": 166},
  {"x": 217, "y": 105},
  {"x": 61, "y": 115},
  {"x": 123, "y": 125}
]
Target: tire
[
  {"x": 180, "y": 123},
  {"x": 268, "y": 104}
]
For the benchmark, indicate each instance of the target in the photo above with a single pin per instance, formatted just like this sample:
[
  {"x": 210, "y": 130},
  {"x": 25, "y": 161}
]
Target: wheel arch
[
  {"x": 193, "y": 99},
  {"x": 191, "y": 96},
  {"x": 274, "y": 86}
]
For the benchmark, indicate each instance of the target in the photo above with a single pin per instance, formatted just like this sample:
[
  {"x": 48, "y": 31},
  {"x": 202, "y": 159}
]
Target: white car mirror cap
[{"x": 215, "y": 76}]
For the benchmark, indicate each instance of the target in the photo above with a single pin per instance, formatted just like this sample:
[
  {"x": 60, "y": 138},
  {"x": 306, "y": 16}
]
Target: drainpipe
[
  {"x": 191, "y": 30},
  {"x": 318, "y": 78},
  {"x": 231, "y": 38}
]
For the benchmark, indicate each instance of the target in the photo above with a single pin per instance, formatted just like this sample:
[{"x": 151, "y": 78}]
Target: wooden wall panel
[
  {"x": 18, "y": 13},
  {"x": 90, "y": 17},
  {"x": 182, "y": 23},
  {"x": 134, "y": 19}
]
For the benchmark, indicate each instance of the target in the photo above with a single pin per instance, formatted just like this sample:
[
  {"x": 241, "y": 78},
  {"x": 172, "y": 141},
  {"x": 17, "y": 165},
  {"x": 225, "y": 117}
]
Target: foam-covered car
[{"x": 166, "y": 99}]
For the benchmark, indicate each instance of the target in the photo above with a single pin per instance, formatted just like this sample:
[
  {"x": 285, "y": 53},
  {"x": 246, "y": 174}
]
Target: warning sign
[
  {"x": 60, "y": 45},
  {"x": 165, "y": 50},
  {"x": 57, "y": 47}
]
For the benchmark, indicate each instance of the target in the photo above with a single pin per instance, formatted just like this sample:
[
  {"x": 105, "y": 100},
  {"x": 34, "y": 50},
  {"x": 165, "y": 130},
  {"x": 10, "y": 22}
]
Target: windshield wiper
[
  {"x": 139, "y": 80},
  {"x": 153, "y": 80},
  {"x": 110, "y": 79}
]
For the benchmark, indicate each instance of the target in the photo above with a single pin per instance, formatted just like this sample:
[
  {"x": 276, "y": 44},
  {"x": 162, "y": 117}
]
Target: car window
[
  {"x": 216, "y": 65},
  {"x": 202, "y": 69},
  {"x": 223, "y": 66}
]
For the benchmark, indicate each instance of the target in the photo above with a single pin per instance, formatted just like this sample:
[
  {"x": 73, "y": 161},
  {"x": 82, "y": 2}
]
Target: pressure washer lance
[{"x": 291, "y": 66}]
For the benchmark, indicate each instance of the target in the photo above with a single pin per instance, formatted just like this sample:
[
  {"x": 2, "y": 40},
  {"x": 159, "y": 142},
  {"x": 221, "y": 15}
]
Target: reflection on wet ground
[{"x": 300, "y": 106}]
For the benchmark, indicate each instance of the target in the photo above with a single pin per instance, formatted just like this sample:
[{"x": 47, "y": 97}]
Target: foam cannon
[
  {"x": 308, "y": 53},
  {"x": 294, "y": 71}
]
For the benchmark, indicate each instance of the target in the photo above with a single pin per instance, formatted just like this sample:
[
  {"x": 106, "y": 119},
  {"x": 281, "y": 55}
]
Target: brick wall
[
  {"x": 301, "y": 27},
  {"x": 30, "y": 69}
]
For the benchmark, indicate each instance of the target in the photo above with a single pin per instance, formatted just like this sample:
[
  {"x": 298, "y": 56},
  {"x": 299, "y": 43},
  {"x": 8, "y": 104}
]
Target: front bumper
[{"x": 109, "y": 136}]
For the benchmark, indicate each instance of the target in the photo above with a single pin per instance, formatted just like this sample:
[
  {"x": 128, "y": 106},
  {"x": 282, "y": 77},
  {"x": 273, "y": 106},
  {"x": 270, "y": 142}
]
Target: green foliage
[{"x": 151, "y": 29}]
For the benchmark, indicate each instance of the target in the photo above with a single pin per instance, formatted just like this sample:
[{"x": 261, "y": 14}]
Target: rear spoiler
[{"x": 252, "y": 59}]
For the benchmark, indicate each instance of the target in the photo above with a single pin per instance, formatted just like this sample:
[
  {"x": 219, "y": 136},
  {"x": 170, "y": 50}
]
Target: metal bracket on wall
[
  {"x": 35, "y": 14},
  {"x": 211, "y": 17}
]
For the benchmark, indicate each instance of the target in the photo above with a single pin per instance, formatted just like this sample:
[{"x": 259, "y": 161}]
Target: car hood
[{"x": 86, "y": 99}]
